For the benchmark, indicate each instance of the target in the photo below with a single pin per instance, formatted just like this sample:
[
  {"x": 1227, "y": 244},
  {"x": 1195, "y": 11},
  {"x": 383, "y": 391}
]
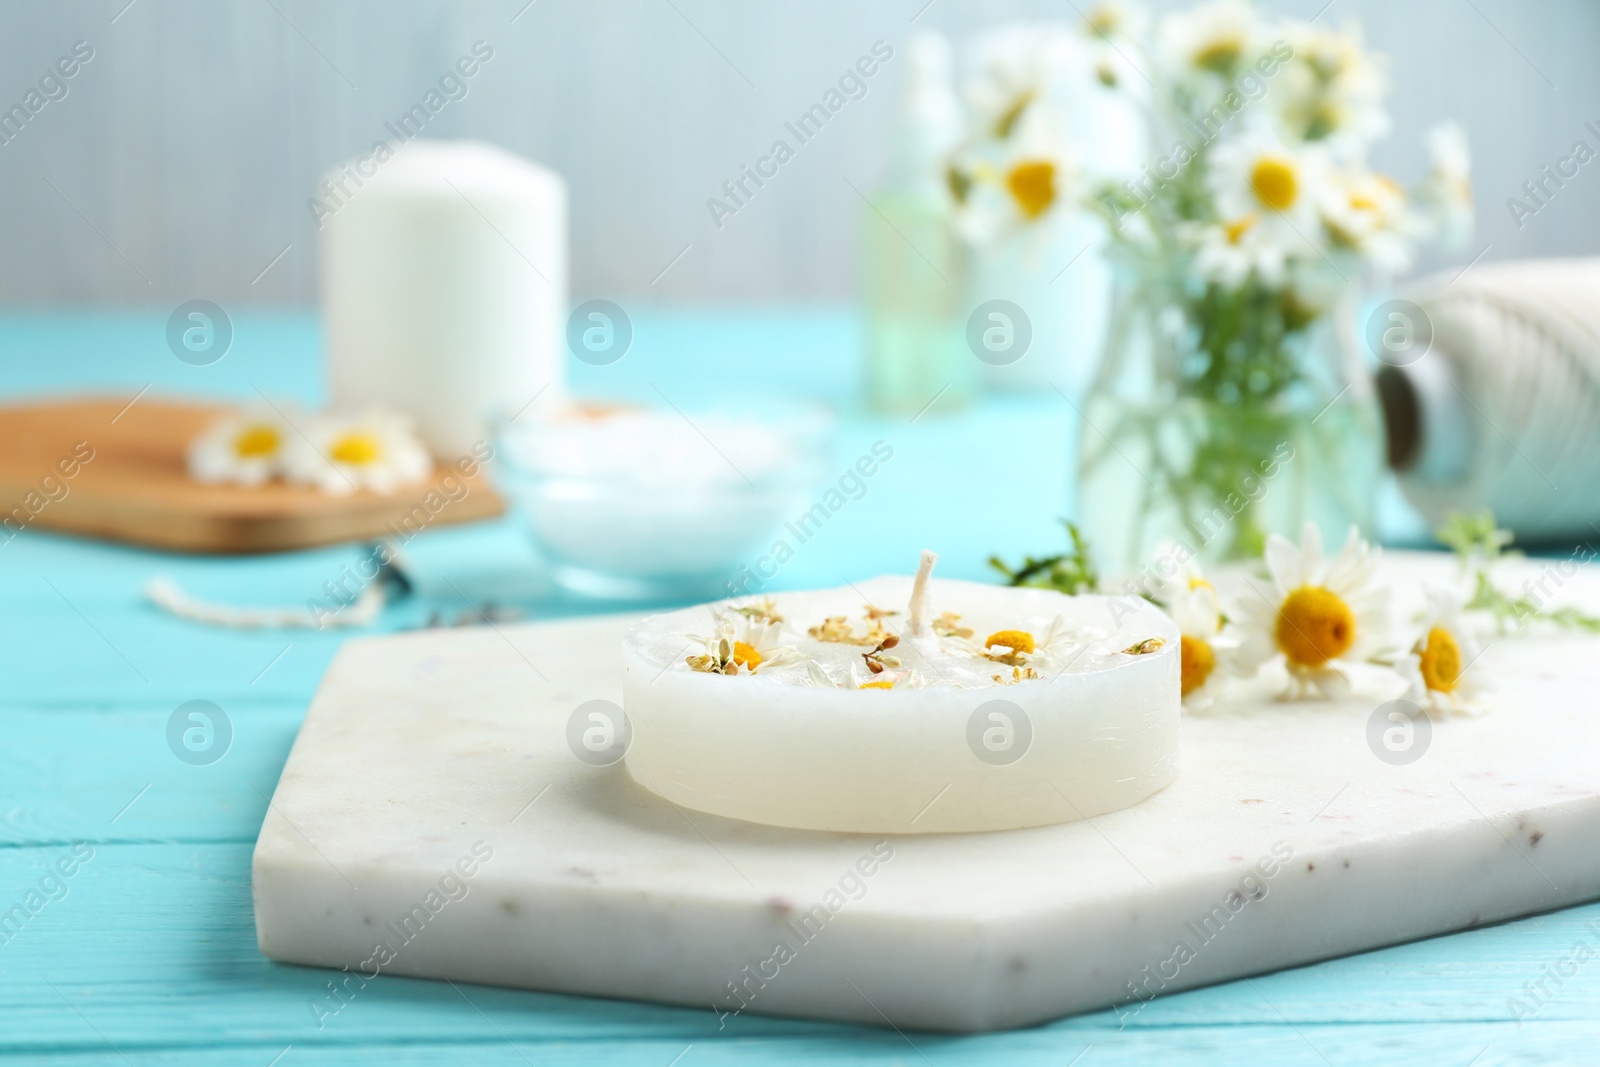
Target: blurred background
[
  {"x": 966, "y": 188},
  {"x": 193, "y": 139}
]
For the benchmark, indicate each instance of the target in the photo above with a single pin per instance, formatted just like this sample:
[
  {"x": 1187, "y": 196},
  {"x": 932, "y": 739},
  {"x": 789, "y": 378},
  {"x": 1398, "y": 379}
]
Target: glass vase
[{"x": 1218, "y": 416}]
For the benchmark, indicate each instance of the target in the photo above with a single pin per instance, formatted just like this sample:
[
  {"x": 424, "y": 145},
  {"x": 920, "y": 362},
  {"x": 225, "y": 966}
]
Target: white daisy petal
[
  {"x": 1283, "y": 561},
  {"x": 376, "y": 451},
  {"x": 1311, "y": 554},
  {"x": 1325, "y": 618},
  {"x": 1333, "y": 683},
  {"x": 240, "y": 448}
]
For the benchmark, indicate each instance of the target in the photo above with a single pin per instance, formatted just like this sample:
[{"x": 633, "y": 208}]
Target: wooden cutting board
[{"x": 105, "y": 468}]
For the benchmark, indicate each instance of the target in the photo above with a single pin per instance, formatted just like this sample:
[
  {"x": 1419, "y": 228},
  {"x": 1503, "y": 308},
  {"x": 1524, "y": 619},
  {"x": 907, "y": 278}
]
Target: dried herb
[
  {"x": 1071, "y": 572},
  {"x": 1480, "y": 544}
]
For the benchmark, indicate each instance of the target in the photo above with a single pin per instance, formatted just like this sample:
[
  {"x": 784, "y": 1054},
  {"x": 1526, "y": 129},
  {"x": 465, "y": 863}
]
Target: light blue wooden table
[{"x": 147, "y": 952}]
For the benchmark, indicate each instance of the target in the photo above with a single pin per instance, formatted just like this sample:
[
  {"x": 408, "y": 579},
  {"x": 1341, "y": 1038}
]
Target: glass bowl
[{"x": 663, "y": 504}]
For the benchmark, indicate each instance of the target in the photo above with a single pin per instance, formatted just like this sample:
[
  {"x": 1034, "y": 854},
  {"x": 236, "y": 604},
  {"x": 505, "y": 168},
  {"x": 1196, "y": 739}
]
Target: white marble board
[{"x": 432, "y": 806}]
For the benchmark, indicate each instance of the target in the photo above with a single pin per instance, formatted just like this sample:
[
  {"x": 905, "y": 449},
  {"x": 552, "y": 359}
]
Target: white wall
[{"x": 193, "y": 138}]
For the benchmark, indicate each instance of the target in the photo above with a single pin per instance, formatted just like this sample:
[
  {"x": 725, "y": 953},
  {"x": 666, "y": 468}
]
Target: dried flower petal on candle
[
  {"x": 1018, "y": 674},
  {"x": 718, "y": 656},
  {"x": 1016, "y": 648},
  {"x": 836, "y": 629},
  {"x": 948, "y": 624},
  {"x": 763, "y": 610},
  {"x": 876, "y": 660},
  {"x": 1145, "y": 647},
  {"x": 894, "y": 678},
  {"x": 816, "y": 675},
  {"x": 1018, "y": 641},
  {"x": 753, "y": 646}
]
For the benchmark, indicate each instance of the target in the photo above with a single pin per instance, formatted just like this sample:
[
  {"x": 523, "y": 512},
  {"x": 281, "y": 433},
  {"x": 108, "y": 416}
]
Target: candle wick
[{"x": 919, "y": 593}]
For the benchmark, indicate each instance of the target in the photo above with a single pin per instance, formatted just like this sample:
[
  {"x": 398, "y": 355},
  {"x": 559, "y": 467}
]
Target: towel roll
[{"x": 1502, "y": 409}]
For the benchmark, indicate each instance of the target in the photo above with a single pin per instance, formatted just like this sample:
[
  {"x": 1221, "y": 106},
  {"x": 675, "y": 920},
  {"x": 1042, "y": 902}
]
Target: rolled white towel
[{"x": 1503, "y": 410}]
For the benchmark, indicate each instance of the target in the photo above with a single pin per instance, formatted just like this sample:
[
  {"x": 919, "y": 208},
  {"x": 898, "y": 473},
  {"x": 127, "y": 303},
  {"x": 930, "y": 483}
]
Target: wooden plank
[
  {"x": 1278, "y": 1046},
  {"x": 112, "y": 776},
  {"x": 104, "y": 468}
]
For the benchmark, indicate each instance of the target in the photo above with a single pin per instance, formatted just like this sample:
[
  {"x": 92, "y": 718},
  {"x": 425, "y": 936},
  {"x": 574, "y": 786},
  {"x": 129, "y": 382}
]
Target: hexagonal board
[{"x": 1284, "y": 840}]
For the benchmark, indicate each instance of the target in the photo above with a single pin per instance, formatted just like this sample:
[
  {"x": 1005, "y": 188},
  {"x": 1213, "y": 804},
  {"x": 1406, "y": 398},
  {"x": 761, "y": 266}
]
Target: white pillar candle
[
  {"x": 958, "y": 731},
  {"x": 444, "y": 286}
]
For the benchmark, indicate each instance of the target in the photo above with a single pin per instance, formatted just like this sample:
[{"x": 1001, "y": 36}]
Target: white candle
[
  {"x": 445, "y": 286},
  {"x": 957, "y": 730}
]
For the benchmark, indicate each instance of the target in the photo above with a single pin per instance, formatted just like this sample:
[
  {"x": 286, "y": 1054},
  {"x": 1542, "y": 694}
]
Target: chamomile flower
[
  {"x": 1368, "y": 214},
  {"x": 1436, "y": 666},
  {"x": 1199, "y": 619},
  {"x": 1014, "y": 172},
  {"x": 1114, "y": 31},
  {"x": 742, "y": 643},
  {"x": 1320, "y": 616},
  {"x": 1113, "y": 21},
  {"x": 1279, "y": 185},
  {"x": 1210, "y": 41},
  {"x": 762, "y": 609},
  {"x": 1191, "y": 600},
  {"x": 1020, "y": 77},
  {"x": 1018, "y": 648},
  {"x": 376, "y": 450},
  {"x": 241, "y": 448},
  {"x": 1227, "y": 253},
  {"x": 1015, "y": 187},
  {"x": 1331, "y": 92}
]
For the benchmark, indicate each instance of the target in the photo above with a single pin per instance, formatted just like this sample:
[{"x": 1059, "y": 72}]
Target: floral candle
[{"x": 905, "y": 705}]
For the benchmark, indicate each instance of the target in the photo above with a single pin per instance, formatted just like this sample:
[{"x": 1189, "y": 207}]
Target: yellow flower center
[
  {"x": 1032, "y": 185},
  {"x": 1220, "y": 54},
  {"x": 1314, "y": 626},
  {"x": 1199, "y": 660},
  {"x": 1275, "y": 182},
  {"x": 746, "y": 656},
  {"x": 1201, "y": 583},
  {"x": 1236, "y": 229},
  {"x": 256, "y": 441},
  {"x": 1441, "y": 660},
  {"x": 356, "y": 449},
  {"x": 885, "y": 684},
  {"x": 1015, "y": 640}
]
